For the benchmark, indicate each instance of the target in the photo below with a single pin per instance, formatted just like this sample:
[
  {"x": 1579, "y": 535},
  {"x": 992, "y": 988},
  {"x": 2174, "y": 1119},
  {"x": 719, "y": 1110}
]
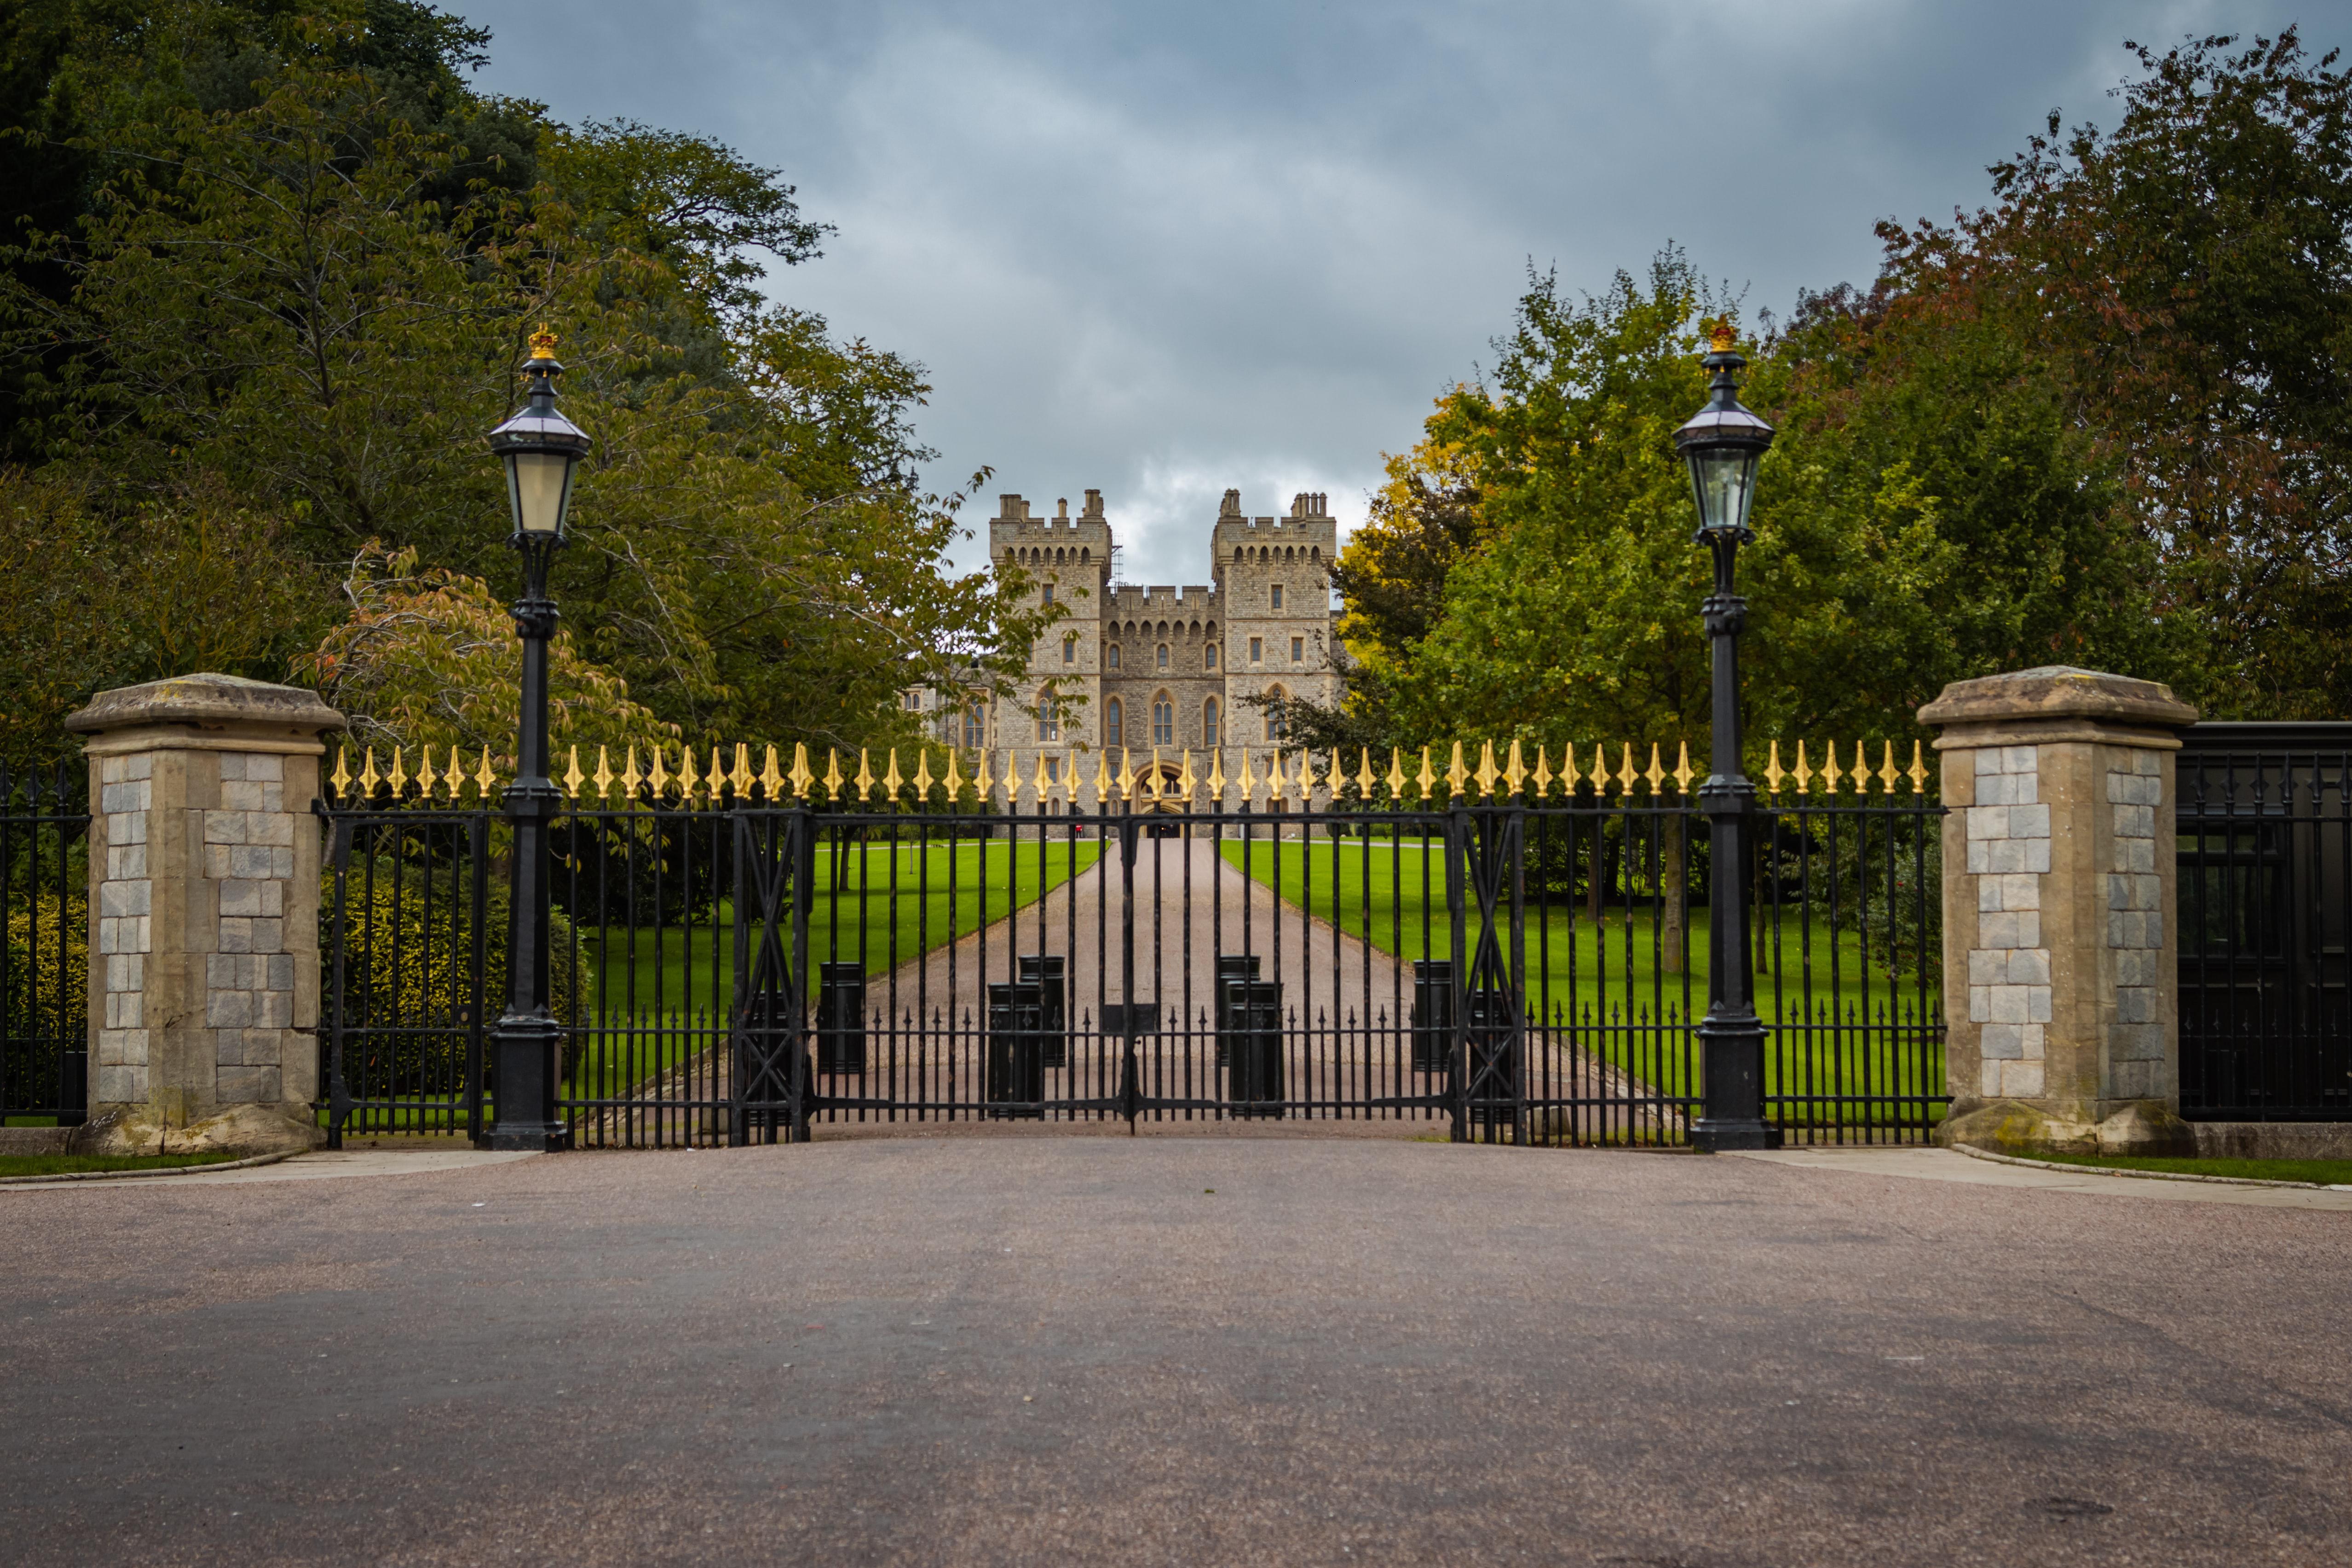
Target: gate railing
[
  {"x": 2265, "y": 862},
  {"x": 44, "y": 947},
  {"x": 1506, "y": 952}
]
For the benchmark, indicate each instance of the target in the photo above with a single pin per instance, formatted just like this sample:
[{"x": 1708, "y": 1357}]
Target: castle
[{"x": 1160, "y": 669}]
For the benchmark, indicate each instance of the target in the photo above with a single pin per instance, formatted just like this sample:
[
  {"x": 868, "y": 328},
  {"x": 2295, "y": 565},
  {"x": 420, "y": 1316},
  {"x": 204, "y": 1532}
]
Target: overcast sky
[{"x": 1164, "y": 249}]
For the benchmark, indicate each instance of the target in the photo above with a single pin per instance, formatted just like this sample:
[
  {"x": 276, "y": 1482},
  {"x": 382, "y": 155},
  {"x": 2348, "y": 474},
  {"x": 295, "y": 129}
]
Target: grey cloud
[{"x": 1163, "y": 250}]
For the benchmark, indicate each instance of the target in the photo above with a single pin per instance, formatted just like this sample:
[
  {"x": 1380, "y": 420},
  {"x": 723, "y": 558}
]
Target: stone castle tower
[{"x": 1159, "y": 667}]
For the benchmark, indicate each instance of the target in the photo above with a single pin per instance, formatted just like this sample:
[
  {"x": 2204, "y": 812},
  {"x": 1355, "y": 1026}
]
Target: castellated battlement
[{"x": 1160, "y": 598}]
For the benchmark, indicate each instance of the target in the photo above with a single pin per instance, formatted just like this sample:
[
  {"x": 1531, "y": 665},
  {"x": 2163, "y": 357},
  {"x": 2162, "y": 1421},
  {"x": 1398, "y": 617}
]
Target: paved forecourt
[{"x": 990, "y": 1350}]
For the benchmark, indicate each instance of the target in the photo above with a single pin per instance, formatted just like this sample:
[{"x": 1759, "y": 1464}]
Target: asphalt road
[{"x": 1067, "y": 1349}]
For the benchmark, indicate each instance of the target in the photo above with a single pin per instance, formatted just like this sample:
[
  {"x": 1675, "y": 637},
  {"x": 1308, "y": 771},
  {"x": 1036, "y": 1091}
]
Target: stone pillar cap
[
  {"x": 2059, "y": 691},
  {"x": 207, "y": 701}
]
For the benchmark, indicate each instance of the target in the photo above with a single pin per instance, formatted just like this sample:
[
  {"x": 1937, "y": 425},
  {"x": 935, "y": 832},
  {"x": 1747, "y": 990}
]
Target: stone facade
[
  {"x": 1163, "y": 667},
  {"x": 2058, "y": 911},
  {"x": 205, "y": 864}
]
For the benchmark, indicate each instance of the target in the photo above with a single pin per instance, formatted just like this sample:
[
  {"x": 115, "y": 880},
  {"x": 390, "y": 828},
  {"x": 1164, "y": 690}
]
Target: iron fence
[
  {"x": 2264, "y": 819},
  {"x": 1498, "y": 953},
  {"x": 45, "y": 958}
]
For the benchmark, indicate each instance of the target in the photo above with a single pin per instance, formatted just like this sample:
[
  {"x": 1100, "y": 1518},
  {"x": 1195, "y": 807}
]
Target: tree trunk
[{"x": 1674, "y": 884}]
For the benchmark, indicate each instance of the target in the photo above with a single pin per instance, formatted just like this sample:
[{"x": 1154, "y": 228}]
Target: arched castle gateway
[{"x": 1157, "y": 666}]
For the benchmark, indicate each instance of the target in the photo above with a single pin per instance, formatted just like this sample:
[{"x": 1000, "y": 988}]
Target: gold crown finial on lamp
[
  {"x": 1722, "y": 338},
  {"x": 543, "y": 343}
]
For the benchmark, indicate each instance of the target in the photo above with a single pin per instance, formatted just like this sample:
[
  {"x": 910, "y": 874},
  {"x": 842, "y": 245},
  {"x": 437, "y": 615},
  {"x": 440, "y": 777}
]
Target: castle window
[
  {"x": 1277, "y": 595},
  {"x": 1053, "y": 770},
  {"x": 1257, "y": 650},
  {"x": 1049, "y": 717},
  {"x": 1210, "y": 655},
  {"x": 1274, "y": 697},
  {"x": 915, "y": 701},
  {"x": 975, "y": 725},
  {"x": 1070, "y": 649},
  {"x": 1114, "y": 723},
  {"x": 1049, "y": 594},
  {"x": 1163, "y": 721},
  {"x": 1299, "y": 650},
  {"x": 1209, "y": 722},
  {"x": 1163, "y": 655}
]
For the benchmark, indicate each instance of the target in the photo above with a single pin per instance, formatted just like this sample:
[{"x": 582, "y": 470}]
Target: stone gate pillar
[
  {"x": 204, "y": 905},
  {"x": 2062, "y": 952}
]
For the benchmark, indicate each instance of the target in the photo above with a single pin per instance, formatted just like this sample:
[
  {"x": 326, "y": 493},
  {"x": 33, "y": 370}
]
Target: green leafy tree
[
  {"x": 2186, "y": 279},
  {"x": 317, "y": 291}
]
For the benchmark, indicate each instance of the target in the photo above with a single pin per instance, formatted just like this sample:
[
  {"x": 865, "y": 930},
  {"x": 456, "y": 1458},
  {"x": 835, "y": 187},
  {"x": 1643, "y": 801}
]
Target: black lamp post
[
  {"x": 1723, "y": 442},
  {"x": 542, "y": 449}
]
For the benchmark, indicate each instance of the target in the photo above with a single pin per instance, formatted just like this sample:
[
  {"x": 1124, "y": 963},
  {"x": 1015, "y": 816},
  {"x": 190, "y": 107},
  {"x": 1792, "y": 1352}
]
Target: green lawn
[
  {"x": 2319, "y": 1173},
  {"x": 1609, "y": 973},
  {"x": 69, "y": 1164},
  {"x": 881, "y": 905}
]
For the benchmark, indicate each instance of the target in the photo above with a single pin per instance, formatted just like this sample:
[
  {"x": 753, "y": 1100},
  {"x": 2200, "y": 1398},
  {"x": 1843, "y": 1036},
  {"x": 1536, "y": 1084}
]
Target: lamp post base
[{"x": 523, "y": 1047}]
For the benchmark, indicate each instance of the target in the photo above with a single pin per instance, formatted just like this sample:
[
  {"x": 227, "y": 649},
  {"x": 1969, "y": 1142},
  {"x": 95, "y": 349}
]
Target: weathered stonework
[
  {"x": 205, "y": 897},
  {"x": 2058, "y": 911}
]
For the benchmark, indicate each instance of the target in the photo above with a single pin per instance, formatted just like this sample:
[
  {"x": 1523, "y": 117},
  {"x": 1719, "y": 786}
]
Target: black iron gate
[
  {"x": 2265, "y": 863},
  {"x": 44, "y": 947},
  {"x": 1500, "y": 955}
]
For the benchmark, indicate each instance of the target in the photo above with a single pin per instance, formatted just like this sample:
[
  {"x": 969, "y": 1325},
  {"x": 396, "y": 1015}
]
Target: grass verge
[
  {"x": 73, "y": 1164},
  {"x": 2319, "y": 1173}
]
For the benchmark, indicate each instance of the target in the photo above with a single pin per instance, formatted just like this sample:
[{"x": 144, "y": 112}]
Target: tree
[
  {"x": 2187, "y": 279},
  {"x": 312, "y": 289}
]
